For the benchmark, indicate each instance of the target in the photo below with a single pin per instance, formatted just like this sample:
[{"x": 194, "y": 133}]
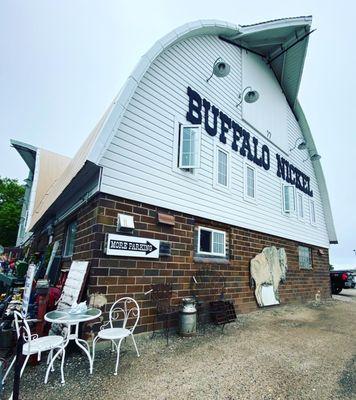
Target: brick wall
[{"x": 116, "y": 276}]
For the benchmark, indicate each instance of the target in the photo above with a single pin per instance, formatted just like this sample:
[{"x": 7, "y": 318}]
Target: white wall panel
[
  {"x": 268, "y": 114},
  {"x": 139, "y": 163}
]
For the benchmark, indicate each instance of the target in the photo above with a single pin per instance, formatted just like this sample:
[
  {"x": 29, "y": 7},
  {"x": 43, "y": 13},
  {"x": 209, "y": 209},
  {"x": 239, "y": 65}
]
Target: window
[
  {"x": 221, "y": 168},
  {"x": 288, "y": 199},
  {"x": 312, "y": 212},
  {"x": 70, "y": 238},
  {"x": 300, "y": 206},
  {"x": 305, "y": 259},
  {"x": 189, "y": 146},
  {"x": 211, "y": 241},
  {"x": 250, "y": 182}
]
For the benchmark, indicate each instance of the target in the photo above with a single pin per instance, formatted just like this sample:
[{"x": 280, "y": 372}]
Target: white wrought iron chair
[
  {"x": 128, "y": 310},
  {"x": 36, "y": 345}
]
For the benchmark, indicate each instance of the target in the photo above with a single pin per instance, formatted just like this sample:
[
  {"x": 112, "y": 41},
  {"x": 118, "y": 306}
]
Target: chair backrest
[
  {"x": 127, "y": 310},
  {"x": 162, "y": 292},
  {"x": 208, "y": 284},
  {"x": 161, "y": 296},
  {"x": 20, "y": 320}
]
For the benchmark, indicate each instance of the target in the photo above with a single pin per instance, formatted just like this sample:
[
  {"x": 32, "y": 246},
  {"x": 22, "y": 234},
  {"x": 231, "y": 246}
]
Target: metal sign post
[
  {"x": 19, "y": 356},
  {"x": 18, "y": 366}
]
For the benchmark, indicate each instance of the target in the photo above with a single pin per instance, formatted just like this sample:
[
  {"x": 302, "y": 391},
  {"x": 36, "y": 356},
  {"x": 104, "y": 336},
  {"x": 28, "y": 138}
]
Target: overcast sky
[{"x": 62, "y": 62}]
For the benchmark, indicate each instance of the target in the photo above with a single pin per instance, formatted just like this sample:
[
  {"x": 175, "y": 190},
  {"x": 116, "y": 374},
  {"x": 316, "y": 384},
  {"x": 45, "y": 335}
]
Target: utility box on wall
[{"x": 125, "y": 223}]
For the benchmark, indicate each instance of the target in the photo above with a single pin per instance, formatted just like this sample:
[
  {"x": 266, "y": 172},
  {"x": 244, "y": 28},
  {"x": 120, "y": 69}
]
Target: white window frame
[
  {"x": 284, "y": 210},
  {"x": 312, "y": 207},
  {"x": 212, "y": 240},
  {"x": 216, "y": 183},
  {"x": 66, "y": 243},
  {"x": 191, "y": 174},
  {"x": 180, "y": 146},
  {"x": 310, "y": 258},
  {"x": 246, "y": 195},
  {"x": 300, "y": 217}
]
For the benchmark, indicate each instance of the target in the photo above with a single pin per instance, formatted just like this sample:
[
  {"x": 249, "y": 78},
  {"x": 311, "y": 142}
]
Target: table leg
[{"x": 85, "y": 349}]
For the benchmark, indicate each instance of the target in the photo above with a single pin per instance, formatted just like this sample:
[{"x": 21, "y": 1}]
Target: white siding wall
[
  {"x": 262, "y": 114},
  {"x": 140, "y": 161}
]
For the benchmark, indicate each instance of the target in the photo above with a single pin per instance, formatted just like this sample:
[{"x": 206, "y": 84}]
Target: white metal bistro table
[{"x": 73, "y": 320}]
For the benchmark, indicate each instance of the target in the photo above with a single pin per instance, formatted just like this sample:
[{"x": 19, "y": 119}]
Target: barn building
[{"x": 207, "y": 148}]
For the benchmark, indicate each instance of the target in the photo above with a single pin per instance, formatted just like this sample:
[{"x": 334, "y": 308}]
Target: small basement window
[
  {"x": 288, "y": 199},
  {"x": 212, "y": 242},
  {"x": 70, "y": 239},
  {"x": 305, "y": 259},
  {"x": 189, "y": 146}
]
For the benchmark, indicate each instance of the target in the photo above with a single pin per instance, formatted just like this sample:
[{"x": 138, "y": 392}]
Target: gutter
[{"x": 84, "y": 200}]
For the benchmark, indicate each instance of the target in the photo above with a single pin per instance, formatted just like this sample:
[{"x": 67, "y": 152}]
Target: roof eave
[
  {"x": 297, "y": 39},
  {"x": 278, "y": 23},
  {"x": 26, "y": 151}
]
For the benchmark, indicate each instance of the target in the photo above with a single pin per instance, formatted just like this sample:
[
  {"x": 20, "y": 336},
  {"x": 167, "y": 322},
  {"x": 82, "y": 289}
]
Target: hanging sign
[
  {"x": 28, "y": 287},
  {"x": 131, "y": 246}
]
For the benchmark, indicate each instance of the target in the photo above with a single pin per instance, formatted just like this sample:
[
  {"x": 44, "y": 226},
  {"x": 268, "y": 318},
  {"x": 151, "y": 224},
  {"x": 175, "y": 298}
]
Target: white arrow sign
[{"x": 132, "y": 246}]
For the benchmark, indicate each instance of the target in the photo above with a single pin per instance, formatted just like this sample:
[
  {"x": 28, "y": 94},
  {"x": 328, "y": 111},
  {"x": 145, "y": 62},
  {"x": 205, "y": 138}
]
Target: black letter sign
[
  {"x": 214, "y": 129},
  {"x": 225, "y": 126},
  {"x": 194, "y": 107},
  {"x": 285, "y": 170}
]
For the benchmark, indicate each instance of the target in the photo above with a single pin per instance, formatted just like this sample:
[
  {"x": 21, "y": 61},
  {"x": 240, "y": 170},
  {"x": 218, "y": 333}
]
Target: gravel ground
[
  {"x": 289, "y": 352},
  {"x": 346, "y": 295}
]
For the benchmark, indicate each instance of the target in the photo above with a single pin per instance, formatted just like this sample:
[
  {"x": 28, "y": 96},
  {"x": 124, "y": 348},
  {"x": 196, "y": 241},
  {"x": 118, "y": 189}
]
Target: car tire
[{"x": 336, "y": 290}]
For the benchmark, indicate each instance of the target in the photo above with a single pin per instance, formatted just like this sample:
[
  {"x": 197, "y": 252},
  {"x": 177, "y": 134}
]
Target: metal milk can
[{"x": 188, "y": 317}]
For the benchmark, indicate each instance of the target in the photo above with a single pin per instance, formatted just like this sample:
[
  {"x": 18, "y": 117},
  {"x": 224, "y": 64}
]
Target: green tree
[{"x": 11, "y": 197}]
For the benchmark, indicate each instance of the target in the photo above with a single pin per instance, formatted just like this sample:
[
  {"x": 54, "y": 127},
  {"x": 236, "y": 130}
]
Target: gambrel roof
[{"x": 282, "y": 43}]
